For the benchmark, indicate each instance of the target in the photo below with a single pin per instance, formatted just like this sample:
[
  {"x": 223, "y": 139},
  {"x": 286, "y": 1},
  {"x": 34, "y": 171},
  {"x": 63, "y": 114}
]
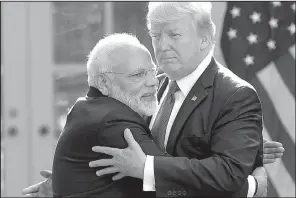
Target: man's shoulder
[
  {"x": 104, "y": 106},
  {"x": 227, "y": 81},
  {"x": 98, "y": 113},
  {"x": 105, "y": 109}
]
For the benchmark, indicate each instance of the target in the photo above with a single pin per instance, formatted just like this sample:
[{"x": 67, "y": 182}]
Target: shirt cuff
[
  {"x": 252, "y": 186},
  {"x": 149, "y": 179}
]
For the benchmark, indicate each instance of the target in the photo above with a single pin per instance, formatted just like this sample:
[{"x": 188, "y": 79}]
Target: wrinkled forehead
[{"x": 131, "y": 58}]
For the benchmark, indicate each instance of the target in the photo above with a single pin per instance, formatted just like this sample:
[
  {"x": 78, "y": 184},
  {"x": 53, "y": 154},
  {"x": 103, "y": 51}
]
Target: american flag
[{"x": 258, "y": 44}]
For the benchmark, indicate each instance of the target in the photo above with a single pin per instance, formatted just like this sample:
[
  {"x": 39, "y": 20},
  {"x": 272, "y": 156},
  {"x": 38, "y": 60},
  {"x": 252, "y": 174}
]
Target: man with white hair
[
  {"x": 214, "y": 127},
  {"x": 122, "y": 88}
]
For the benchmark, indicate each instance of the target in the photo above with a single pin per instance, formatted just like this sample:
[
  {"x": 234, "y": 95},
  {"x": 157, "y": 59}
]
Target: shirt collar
[{"x": 185, "y": 84}]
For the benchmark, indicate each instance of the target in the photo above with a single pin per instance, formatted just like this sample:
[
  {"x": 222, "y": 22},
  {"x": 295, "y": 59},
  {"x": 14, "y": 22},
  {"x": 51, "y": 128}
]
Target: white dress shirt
[{"x": 185, "y": 84}]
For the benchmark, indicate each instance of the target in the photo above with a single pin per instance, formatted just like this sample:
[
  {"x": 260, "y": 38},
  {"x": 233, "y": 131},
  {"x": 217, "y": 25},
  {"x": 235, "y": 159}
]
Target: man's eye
[
  {"x": 154, "y": 36},
  {"x": 139, "y": 74},
  {"x": 175, "y": 35}
]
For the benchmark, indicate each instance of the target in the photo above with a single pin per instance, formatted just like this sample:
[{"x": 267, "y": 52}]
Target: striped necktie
[{"x": 162, "y": 118}]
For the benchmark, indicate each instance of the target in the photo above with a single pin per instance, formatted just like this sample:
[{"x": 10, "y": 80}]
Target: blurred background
[{"x": 43, "y": 70}]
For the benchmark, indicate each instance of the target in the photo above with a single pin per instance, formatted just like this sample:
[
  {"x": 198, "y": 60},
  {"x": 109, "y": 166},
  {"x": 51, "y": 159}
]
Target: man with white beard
[{"x": 122, "y": 88}]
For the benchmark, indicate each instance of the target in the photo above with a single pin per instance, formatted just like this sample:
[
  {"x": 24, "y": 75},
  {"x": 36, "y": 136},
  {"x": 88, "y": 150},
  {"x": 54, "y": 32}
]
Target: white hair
[
  {"x": 99, "y": 60},
  {"x": 162, "y": 12}
]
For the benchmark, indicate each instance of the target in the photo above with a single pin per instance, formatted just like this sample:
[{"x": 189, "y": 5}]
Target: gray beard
[{"x": 146, "y": 108}]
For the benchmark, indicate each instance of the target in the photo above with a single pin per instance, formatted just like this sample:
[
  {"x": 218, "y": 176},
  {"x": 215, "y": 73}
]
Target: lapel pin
[{"x": 193, "y": 98}]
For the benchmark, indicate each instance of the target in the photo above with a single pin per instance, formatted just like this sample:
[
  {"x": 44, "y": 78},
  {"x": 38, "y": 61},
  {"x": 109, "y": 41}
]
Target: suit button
[
  {"x": 169, "y": 192},
  {"x": 174, "y": 193},
  {"x": 179, "y": 192}
]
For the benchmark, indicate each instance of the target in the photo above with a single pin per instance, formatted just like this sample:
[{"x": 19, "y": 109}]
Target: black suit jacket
[
  {"x": 217, "y": 137},
  {"x": 97, "y": 120}
]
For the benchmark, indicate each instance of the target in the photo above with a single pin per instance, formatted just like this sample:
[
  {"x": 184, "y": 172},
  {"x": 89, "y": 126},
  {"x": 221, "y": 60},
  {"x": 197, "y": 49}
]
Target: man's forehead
[
  {"x": 126, "y": 52},
  {"x": 132, "y": 60},
  {"x": 131, "y": 68},
  {"x": 176, "y": 25}
]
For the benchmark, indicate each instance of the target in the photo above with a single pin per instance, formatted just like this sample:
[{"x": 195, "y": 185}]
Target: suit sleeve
[
  {"x": 235, "y": 142},
  {"x": 114, "y": 126}
]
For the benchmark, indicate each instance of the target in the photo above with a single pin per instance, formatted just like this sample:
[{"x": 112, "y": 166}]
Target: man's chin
[
  {"x": 147, "y": 108},
  {"x": 147, "y": 113}
]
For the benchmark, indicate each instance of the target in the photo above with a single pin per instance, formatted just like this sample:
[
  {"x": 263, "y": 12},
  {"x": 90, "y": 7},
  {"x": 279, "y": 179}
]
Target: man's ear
[
  {"x": 102, "y": 84},
  {"x": 204, "y": 42}
]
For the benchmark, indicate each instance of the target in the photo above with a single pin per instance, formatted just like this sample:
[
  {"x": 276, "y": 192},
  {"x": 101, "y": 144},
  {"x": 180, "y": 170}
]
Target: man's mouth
[
  {"x": 167, "y": 59},
  {"x": 149, "y": 94}
]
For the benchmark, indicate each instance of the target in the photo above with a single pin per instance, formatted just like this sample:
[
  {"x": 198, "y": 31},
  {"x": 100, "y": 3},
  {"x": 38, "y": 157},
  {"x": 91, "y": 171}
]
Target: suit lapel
[{"x": 196, "y": 95}]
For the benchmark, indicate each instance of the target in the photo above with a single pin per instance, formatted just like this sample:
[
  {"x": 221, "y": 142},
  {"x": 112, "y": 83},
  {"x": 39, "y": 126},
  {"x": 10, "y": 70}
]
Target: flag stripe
[
  {"x": 286, "y": 68},
  {"x": 271, "y": 191},
  {"x": 292, "y": 52},
  {"x": 279, "y": 176},
  {"x": 280, "y": 179},
  {"x": 276, "y": 130},
  {"x": 282, "y": 100}
]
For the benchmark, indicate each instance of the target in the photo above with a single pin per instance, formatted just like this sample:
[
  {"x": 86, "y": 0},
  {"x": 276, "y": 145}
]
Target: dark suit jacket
[
  {"x": 217, "y": 138},
  {"x": 97, "y": 120}
]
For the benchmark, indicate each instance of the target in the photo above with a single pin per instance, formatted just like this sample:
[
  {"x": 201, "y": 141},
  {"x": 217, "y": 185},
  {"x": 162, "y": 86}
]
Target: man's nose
[
  {"x": 152, "y": 81},
  {"x": 163, "y": 43}
]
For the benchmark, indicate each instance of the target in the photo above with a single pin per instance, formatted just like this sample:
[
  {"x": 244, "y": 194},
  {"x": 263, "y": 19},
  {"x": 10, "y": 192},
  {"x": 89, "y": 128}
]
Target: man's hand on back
[
  {"x": 41, "y": 189},
  {"x": 126, "y": 162},
  {"x": 272, "y": 150}
]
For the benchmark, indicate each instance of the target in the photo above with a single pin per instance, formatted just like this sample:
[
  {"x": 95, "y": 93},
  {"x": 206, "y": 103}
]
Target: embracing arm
[
  {"x": 115, "y": 124},
  {"x": 272, "y": 151}
]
